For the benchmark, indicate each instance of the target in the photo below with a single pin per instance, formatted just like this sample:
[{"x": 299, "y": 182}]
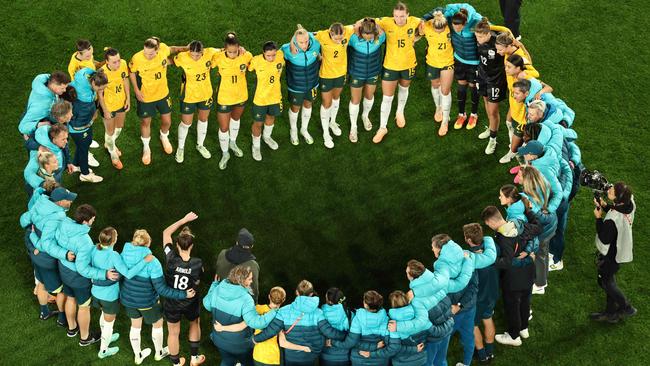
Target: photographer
[{"x": 614, "y": 244}]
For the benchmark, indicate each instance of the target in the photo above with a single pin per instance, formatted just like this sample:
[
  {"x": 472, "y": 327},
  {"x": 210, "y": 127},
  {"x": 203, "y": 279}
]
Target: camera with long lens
[{"x": 596, "y": 181}]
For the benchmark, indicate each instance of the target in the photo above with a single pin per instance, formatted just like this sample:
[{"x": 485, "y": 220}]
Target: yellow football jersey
[
  {"x": 440, "y": 52},
  {"x": 518, "y": 110},
  {"x": 268, "y": 89},
  {"x": 152, "y": 74},
  {"x": 335, "y": 56},
  {"x": 196, "y": 86},
  {"x": 400, "y": 53},
  {"x": 232, "y": 87},
  {"x": 114, "y": 94},
  {"x": 76, "y": 64}
]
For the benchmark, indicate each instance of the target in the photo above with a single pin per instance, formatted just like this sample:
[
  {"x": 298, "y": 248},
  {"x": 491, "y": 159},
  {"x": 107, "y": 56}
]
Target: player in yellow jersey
[
  {"x": 83, "y": 57},
  {"x": 232, "y": 95},
  {"x": 196, "y": 95},
  {"x": 506, "y": 46},
  {"x": 267, "y": 103},
  {"x": 148, "y": 73},
  {"x": 334, "y": 50},
  {"x": 399, "y": 65},
  {"x": 440, "y": 66},
  {"x": 117, "y": 99}
]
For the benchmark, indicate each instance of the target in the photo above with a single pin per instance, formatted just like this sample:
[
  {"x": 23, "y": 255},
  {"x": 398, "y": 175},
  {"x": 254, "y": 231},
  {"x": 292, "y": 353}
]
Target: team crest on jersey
[
  {"x": 242, "y": 67},
  {"x": 344, "y": 41},
  {"x": 123, "y": 75},
  {"x": 164, "y": 62},
  {"x": 278, "y": 66},
  {"x": 410, "y": 31},
  {"x": 208, "y": 64},
  {"x": 491, "y": 54},
  {"x": 315, "y": 54}
]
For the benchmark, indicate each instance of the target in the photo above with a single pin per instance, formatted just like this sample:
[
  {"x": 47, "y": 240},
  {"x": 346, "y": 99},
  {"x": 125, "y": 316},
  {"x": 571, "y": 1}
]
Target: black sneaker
[
  {"x": 48, "y": 315},
  {"x": 93, "y": 337},
  {"x": 630, "y": 311},
  {"x": 62, "y": 324},
  {"x": 73, "y": 332},
  {"x": 604, "y": 317}
]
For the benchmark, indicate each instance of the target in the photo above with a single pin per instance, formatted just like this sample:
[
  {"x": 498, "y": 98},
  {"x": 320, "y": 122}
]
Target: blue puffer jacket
[
  {"x": 574, "y": 153},
  {"x": 552, "y": 103},
  {"x": 408, "y": 354},
  {"x": 467, "y": 296},
  {"x": 45, "y": 215},
  {"x": 338, "y": 319},
  {"x": 451, "y": 260},
  {"x": 232, "y": 304},
  {"x": 365, "y": 58},
  {"x": 303, "y": 67},
  {"x": 73, "y": 237},
  {"x": 429, "y": 290},
  {"x": 33, "y": 174},
  {"x": 105, "y": 259},
  {"x": 38, "y": 106},
  {"x": 42, "y": 138},
  {"x": 465, "y": 45},
  {"x": 143, "y": 290},
  {"x": 516, "y": 211},
  {"x": 310, "y": 328},
  {"x": 548, "y": 165},
  {"x": 556, "y": 140},
  {"x": 368, "y": 329},
  {"x": 83, "y": 108}
]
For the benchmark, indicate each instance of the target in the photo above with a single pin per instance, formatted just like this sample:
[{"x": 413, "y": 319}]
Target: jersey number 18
[{"x": 181, "y": 282}]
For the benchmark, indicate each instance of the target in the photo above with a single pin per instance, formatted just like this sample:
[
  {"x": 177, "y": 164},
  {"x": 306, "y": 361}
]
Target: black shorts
[
  {"x": 495, "y": 92},
  {"x": 173, "y": 313},
  {"x": 463, "y": 71}
]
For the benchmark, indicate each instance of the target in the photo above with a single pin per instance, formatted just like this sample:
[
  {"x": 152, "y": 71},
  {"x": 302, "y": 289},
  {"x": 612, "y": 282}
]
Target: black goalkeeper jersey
[
  {"x": 181, "y": 275},
  {"x": 491, "y": 69}
]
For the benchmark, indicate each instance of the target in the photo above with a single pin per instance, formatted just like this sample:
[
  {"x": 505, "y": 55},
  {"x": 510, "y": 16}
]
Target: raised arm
[{"x": 167, "y": 233}]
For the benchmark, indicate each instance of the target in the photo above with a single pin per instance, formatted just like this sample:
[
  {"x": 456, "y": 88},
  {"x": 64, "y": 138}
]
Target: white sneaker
[
  {"x": 336, "y": 128},
  {"x": 329, "y": 143},
  {"x": 491, "y": 146},
  {"x": 223, "y": 163},
  {"x": 538, "y": 290},
  {"x": 270, "y": 142},
  {"x": 94, "y": 144},
  {"x": 524, "y": 333},
  {"x": 92, "y": 161},
  {"x": 90, "y": 178},
  {"x": 530, "y": 317},
  {"x": 366, "y": 123},
  {"x": 507, "y": 157},
  {"x": 506, "y": 339},
  {"x": 460, "y": 364},
  {"x": 162, "y": 354},
  {"x": 233, "y": 146},
  {"x": 308, "y": 139},
  {"x": 76, "y": 169},
  {"x": 353, "y": 136},
  {"x": 143, "y": 354},
  {"x": 203, "y": 151},
  {"x": 558, "y": 266},
  {"x": 257, "y": 154},
  {"x": 294, "y": 137},
  {"x": 485, "y": 134},
  {"x": 180, "y": 155}
]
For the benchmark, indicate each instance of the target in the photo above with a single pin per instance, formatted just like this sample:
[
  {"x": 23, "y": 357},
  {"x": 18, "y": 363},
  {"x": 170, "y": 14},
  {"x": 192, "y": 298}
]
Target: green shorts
[
  {"x": 329, "y": 84},
  {"x": 518, "y": 129},
  {"x": 163, "y": 106},
  {"x": 261, "y": 111},
  {"x": 113, "y": 113},
  {"x": 190, "y": 108},
  {"x": 296, "y": 98},
  {"x": 394, "y": 75},
  {"x": 228, "y": 108},
  {"x": 50, "y": 278},
  {"x": 81, "y": 294},
  {"x": 433, "y": 73},
  {"x": 360, "y": 83},
  {"x": 150, "y": 315},
  {"x": 107, "y": 307}
]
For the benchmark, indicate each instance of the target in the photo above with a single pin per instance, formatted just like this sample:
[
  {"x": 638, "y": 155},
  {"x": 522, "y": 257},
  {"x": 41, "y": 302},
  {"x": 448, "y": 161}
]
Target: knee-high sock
[
  {"x": 334, "y": 109},
  {"x": 435, "y": 93},
  {"x": 325, "y": 114},
  {"x": 157, "y": 338},
  {"x": 107, "y": 333},
  {"x": 134, "y": 338},
  {"x": 386, "y": 104},
  {"x": 223, "y": 141},
  {"x": 234, "y": 129},
  {"x": 367, "y": 106},
  {"x": 354, "y": 115},
  {"x": 445, "y": 101},
  {"x": 201, "y": 132},
  {"x": 461, "y": 97},
  {"x": 183, "y": 129},
  {"x": 267, "y": 131},
  {"x": 402, "y": 97},
  {"x": 474, "y": 100},
  {"x": 293, "y": 119},
  {"x": 304, "y": 120}
]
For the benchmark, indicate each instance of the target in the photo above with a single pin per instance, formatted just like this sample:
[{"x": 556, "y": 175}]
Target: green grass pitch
[{"x": 352, "y": 216}]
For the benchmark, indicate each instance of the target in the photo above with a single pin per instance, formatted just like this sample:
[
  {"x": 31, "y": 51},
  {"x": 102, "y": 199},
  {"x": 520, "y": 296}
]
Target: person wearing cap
[
  {"x": 40, "y": 222},
  {"x": 240, "y": 254},
  {"x": 72, "y": 237}
]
